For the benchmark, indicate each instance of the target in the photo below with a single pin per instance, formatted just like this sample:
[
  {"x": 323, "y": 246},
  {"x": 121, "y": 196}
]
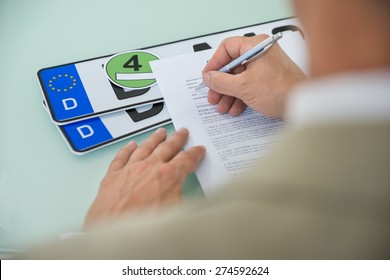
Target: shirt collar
[{"x": 355, "y": 97}]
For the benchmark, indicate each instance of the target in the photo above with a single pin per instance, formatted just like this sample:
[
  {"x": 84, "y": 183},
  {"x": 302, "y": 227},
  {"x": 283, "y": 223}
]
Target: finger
[
  {"x": 225, "y": 104},
  {"x": 171, "y": 147},
  {"x": 237, "y": 108},
  {"x": 223, "y": 83},
  {"x": 226, "y": 52},
  {"x": 122, "y": 157},
  {"x": 214, "y": 97},
  {"x": 149, "y": 145},
  {"x": 187, "y": 161},
  {"x": 230, "y": 49}
]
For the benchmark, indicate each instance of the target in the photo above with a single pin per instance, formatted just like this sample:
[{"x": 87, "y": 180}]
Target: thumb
[{"x": 227, "y": 84}]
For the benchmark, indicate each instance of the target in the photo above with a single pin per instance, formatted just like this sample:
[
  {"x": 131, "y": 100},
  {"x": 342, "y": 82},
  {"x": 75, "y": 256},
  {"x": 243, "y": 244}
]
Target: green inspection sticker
[{"x": 131, "y": 69}]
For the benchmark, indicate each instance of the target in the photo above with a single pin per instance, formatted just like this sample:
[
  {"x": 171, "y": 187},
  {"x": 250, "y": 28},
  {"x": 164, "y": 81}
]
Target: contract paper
[{"x": 233, "y": 144}]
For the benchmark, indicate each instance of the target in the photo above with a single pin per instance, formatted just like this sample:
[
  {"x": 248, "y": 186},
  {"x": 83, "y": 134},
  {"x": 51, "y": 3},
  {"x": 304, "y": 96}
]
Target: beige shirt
[{"x": 323, "y": 193}]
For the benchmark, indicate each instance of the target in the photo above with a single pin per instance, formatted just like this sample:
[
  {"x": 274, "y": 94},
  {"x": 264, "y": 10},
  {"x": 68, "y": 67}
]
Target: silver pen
[{"x": 246, "y": 57}]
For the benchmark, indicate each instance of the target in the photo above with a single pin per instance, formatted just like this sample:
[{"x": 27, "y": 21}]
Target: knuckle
[
  {"x": 188, "y": 157},
  {"x": 213, "y": 97},
  {"x": 142, "y": 153},
  {"x": 233, "y": 42},
  {"x": 170, "y": 145},
  {"x": 225, "y": 104},
  {"x": 263, "y": 36},
  {"x": 167, "y": 171},
  {"x": 140, "y": 168},
  {"x": 227, "y": 40},
  {"x": 146, "y": 146}
]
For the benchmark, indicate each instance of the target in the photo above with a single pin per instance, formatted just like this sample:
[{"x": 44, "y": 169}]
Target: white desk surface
[{"x": 44, "y": 189}]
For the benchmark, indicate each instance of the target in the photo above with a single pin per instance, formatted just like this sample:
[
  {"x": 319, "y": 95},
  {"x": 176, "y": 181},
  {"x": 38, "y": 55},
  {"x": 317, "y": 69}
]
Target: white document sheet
[{"x": 233, "y": 144}]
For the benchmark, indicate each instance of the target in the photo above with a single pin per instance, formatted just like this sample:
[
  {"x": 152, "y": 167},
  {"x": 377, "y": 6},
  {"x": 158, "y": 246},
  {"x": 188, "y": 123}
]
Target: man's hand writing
[{"x": 262, "y": 84}]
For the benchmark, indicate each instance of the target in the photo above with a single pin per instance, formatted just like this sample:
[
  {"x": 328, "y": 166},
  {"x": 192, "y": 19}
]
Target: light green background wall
[{"x": 44, "y": 189}]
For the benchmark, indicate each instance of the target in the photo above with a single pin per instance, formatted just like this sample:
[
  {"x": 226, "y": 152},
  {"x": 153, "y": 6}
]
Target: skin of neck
[{"x": 345, "y": 36}]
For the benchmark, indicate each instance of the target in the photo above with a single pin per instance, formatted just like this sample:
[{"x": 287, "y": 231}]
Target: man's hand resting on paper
[
  {"x": 148, "y": 176},
  {"x": 262, "y": 84}
]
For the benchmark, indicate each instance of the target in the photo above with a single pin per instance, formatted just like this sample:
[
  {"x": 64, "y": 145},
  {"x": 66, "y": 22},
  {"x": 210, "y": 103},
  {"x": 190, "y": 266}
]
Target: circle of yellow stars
[{"x": 60, "y": 76}]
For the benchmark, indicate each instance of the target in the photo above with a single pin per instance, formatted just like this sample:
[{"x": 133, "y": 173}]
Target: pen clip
[{"x": 252, "y": 57}]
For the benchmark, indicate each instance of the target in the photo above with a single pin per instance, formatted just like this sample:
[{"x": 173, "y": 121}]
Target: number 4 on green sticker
[
  {"x": 131, "y": 69},
  {"x": 133, "y": 63}
]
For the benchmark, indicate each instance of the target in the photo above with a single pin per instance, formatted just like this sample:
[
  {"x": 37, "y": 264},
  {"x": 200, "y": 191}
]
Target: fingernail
[
  {"x": 131, "y": 143},
  {"x": 202, "y": 150},
  {"x": 206, "y": 79},
  {"x": 182, "y": 130},
  {"x": 161, "y": 131}
]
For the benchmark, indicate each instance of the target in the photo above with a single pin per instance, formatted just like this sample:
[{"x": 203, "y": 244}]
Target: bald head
[{"x": 347, "y": 35}]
